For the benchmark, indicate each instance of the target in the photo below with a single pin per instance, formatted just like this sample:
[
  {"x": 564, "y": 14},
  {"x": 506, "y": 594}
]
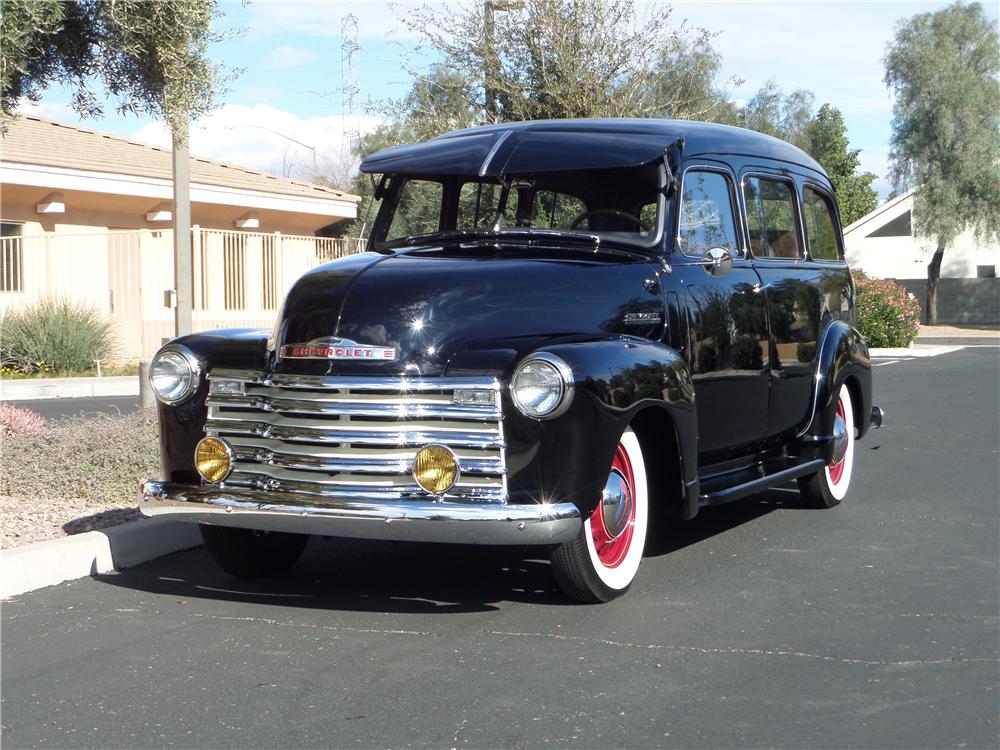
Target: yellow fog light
[
  {"x": 213, "y": 458},
  {"x": 435, "y": 468}
]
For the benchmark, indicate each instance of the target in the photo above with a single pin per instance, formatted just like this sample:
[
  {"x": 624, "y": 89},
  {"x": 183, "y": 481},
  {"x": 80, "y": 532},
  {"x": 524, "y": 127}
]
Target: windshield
[{"x": 618, "y": 205}]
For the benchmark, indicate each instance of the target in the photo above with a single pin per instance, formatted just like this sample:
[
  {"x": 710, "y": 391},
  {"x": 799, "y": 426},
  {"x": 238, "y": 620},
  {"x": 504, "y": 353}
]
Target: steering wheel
[{"x": 644, "y": 226}]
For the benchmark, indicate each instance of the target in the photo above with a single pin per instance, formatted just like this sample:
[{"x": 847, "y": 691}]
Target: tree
[
  {"x": 826, "y": 141},
  {"x": 152, "y": 57},
  {"x": 772, "y": 112},
  {"x": 570, "y": 58},
  {"x": 942, "y": 68}
]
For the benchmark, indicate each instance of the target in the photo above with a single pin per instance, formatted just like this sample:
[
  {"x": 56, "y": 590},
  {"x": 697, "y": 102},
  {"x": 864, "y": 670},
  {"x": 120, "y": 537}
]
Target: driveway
[{"x": 756, "y": 625}]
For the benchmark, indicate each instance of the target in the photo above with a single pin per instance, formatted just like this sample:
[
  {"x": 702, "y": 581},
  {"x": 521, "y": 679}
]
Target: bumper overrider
[{"x": 403, "y": 520}]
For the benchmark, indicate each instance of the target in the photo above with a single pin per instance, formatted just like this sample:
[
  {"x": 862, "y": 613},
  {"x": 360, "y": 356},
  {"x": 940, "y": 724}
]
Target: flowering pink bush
[
  {"x": 14, "y": 421},
  {"x": 888, "y": 315}
]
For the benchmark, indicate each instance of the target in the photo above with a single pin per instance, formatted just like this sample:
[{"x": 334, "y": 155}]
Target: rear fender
[{"x": 843, "y": 358}]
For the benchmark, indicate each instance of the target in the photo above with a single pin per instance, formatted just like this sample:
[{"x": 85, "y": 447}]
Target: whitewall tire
[{"x": 601, "y": 562}]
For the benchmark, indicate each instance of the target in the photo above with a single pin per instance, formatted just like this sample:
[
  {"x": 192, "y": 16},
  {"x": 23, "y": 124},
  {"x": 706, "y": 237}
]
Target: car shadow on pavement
[{"x": 377, "y": 576}]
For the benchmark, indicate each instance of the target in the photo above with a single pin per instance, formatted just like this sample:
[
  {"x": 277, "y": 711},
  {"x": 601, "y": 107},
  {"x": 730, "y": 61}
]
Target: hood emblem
[{"x": 331, "y": 347}]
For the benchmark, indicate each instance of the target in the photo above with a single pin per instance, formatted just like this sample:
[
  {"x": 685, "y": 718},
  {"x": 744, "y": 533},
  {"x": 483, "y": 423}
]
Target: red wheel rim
[
  {"x": 612, "y": 551},
  {"x": 836, "y": 468}
]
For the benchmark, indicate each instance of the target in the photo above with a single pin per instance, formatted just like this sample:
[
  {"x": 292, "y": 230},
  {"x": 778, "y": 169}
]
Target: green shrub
[
  {"x": 100, "y": 459},
  {"x": 888, "y": 315},
  {"x": 54, "y": 335}
]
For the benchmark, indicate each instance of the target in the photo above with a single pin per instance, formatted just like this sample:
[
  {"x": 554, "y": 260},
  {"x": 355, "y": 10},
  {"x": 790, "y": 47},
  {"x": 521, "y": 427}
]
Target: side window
[
  {"x": 821, "y": 232},
  {"x": 418, "y": 211},
  {"x": 706, "y": 214},
  {"x": 771, "y": 218},
  {"x": 555, "y": 210}
]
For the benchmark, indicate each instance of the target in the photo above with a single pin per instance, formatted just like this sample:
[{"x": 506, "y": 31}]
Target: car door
[
  {"x": 802, "y": 295},
  {"x": 726, "y": 315}
]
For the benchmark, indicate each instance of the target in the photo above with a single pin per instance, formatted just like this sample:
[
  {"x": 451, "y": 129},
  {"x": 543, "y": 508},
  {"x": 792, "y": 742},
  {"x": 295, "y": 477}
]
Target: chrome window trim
[
  {"x": 734, "y": 204},
  {"x": 193, "y": 364},
  {"x": 796, "y": 209}
]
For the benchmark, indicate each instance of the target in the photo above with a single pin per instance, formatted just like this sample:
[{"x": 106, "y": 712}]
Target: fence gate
[{"x": 125, "y": 290}]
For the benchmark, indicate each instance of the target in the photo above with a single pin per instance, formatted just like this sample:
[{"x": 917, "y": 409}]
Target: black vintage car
[{"x": 557, "y": 329}]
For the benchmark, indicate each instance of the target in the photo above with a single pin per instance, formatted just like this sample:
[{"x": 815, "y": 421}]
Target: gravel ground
[
  {"x": 69, "y": 476},
  {"x": 24, "y": 520}
]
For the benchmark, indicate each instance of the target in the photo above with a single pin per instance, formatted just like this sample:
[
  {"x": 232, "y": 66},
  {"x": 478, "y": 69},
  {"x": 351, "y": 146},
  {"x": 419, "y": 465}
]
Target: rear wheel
[
  {"x": 246, "y": 553},
  {"x": 600, "y": 563},
  {"x": 827, "y": 487}
]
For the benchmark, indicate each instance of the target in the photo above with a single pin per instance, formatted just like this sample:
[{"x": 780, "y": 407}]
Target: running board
[{"x": 735, "y": 485}]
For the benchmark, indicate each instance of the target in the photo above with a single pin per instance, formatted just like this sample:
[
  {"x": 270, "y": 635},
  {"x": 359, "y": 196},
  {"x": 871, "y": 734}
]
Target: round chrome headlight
[
  {"x": 173, "y": 374},
  {"x": 542, "y": 386}
]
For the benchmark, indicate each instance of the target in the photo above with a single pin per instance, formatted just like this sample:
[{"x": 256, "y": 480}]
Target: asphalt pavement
[
  {"x": 61, "y": 408},
  {"x": 761, "y": 624}
]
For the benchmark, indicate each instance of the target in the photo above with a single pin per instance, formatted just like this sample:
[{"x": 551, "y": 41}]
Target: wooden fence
[{"x": 240, "y": 278}]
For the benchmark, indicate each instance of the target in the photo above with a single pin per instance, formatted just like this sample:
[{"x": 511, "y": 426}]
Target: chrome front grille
[{"x": 356, "y": 437}]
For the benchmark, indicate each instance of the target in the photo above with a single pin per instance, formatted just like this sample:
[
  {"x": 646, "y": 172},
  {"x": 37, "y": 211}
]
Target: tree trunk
[{"x": 933, "y": 274}]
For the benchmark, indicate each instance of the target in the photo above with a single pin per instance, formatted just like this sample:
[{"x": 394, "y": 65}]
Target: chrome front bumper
[{"x": 405, "y": 520}]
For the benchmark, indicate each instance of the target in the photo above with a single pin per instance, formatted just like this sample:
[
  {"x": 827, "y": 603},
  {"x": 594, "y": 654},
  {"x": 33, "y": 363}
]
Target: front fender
[
  {"x": 567, "y": 458},
  {"x": 182, "y": 425}
]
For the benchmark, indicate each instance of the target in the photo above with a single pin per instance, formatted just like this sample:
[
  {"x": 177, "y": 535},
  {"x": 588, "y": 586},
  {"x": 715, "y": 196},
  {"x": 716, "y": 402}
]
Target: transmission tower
[{"x": 350, "y": 82}]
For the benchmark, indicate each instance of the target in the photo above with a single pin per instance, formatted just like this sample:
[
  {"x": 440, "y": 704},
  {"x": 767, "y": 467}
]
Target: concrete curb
[
  {"x": 915, "y": 350},
  {"x": 35, "y": 566},
  {"x": 25, "y": 390}
]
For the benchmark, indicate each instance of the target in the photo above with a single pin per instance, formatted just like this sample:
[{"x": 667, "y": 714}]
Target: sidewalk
[
  {"x": 940, "y": 332},
  {"x": 39, "y": 388}
]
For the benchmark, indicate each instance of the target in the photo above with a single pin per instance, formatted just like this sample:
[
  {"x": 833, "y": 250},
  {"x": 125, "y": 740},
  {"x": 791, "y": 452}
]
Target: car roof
[{"x": 507, "y": 147}]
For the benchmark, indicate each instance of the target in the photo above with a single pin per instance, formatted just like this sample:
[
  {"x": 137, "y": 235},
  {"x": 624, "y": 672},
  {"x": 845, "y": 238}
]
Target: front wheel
[
  {"x": 245, "y": 553},
  {"x": 827, "y": 487},
  {"x": 600, "y": 563}
]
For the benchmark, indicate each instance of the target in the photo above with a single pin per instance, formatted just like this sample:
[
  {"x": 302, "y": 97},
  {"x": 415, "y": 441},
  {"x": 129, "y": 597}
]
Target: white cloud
[
  {"x": 60, "y": 111},
  {"x": 269, "y": 139},
  {"x": 286, "y": 56}
]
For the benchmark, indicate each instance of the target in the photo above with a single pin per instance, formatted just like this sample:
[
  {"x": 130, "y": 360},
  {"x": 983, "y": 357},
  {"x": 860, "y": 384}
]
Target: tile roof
[{"x": 34, "y": 140}]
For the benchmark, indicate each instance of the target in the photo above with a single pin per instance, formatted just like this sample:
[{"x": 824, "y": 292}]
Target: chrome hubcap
[
  {"x": 839, "y": 439},
  {"x": 616, "y": 502}
]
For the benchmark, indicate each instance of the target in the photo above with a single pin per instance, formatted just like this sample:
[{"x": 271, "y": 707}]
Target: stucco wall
[{"x": 908, "y": 257}]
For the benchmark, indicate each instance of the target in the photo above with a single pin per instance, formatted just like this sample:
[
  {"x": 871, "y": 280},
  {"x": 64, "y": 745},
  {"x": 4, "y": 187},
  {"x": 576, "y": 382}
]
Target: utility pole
[
  {"x": 183, "y": 274},
  {"x": 489, "y": 59}
]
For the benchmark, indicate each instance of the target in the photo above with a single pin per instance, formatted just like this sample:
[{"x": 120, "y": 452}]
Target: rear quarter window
[{"x": 821, "y": 231}]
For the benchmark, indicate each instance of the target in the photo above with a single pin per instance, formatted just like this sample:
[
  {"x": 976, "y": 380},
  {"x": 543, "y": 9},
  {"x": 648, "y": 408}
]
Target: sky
[{"x": 285, "y": 109}]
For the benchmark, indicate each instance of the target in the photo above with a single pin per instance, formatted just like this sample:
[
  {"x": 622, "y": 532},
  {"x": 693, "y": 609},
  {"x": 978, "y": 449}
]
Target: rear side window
[
  {"x": 556, "y": 210},
  {"x": 706, "y": 217},
  {"x": 477, "y": 205},
  {"x": 821, "y": 232},
  {"x": 771, "y": 218}
]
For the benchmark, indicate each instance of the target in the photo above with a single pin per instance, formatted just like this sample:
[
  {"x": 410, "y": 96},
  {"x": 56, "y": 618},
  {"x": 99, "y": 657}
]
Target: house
[
  {"x": 88, "y": 216},
  {"x": 882, "y": 244}
]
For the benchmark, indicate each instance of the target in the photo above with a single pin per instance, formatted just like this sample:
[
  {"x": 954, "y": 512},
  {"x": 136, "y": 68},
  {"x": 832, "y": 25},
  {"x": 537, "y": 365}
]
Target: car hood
[{"x": 414, "y": 311}]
